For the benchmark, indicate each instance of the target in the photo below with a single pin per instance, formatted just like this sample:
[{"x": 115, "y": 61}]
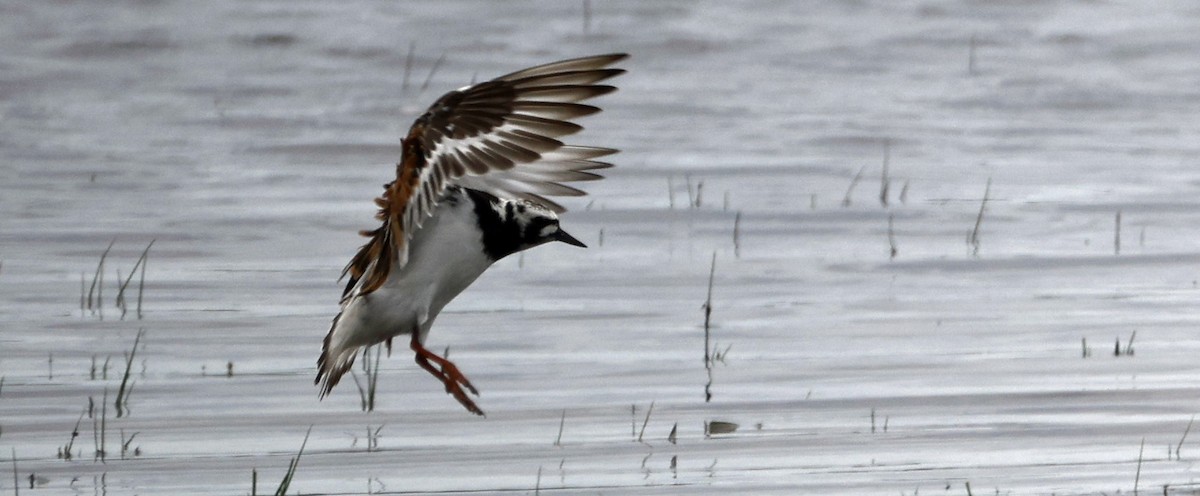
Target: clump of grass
[
  {"x": 125, "y": 442},
  {"x": 886, "y": 419},
  {"x": 91, "y": 298},
  {"x": 1087, "y": 350},
  {"x": 1128, "y": 349},
  {"x": 65, "y": 451},
  {"x": 126, "y": 388},
  {"x": 141, "y": 262},
  {"x": 291, "y": 472},
  {"x": 718, "y": 356},
  {"x": 373, "y": 438},
  {"x": 695, "y": 196},
  {"x": 850, "y": 190}
]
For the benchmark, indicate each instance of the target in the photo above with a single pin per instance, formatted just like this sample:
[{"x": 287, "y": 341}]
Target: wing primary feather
[
  {"x": 590, "y": 76},
  {"x": 575, "y": 165},
  {"x": 578, "y": 153},
  {"x": 566, "y": 92},
  {"x": 576, "y": 64},
  {"x": 546, "y": 127},
  {"x": 554, "y": 110},
  {"x": 493, "y": 159},
  {"x": 514, "y": 151},
  {"x": 532, "y": 141}
]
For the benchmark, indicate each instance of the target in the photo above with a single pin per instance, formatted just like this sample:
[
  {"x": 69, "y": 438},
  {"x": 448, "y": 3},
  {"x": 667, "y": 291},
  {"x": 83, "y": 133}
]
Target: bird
[{"x": 470, "y": 188}]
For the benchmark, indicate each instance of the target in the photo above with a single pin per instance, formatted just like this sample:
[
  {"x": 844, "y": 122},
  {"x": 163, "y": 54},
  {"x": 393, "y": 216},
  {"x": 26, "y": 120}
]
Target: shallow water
[{"x": 247, "y": 140}]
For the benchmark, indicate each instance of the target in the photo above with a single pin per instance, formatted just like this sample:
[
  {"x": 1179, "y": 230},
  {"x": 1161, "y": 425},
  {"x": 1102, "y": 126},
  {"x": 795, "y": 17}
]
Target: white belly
[{"x": 445, "y": 256}]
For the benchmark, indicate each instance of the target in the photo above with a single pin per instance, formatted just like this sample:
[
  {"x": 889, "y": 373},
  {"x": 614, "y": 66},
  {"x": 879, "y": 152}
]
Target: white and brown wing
[{"x": 499, "y": 136}]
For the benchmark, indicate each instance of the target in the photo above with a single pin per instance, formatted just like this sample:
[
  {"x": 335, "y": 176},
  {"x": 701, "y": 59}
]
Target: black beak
[{"x": 562, "y": 235}]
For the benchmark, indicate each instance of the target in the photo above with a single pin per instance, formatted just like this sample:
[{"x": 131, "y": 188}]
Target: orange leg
[{"x": 450, "y": 376}]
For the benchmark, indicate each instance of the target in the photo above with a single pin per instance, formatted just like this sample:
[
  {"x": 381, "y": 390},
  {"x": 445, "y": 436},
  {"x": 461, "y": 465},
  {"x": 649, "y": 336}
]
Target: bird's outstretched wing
[{"x": 499, "y": 136}]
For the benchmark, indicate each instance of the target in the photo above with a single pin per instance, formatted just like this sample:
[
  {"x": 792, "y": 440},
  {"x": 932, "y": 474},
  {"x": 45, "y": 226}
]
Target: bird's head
[{"x": 537, "y": 225}]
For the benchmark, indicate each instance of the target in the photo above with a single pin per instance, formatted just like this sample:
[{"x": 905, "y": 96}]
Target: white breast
[{"x": 445, "y": 256}]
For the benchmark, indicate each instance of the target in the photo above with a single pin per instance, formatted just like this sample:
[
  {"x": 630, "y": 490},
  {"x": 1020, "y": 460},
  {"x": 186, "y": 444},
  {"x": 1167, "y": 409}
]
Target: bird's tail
[{"x": 335, "y": 360}]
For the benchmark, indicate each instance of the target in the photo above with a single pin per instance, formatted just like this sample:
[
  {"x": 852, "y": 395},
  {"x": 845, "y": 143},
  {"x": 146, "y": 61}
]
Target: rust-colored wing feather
[{"x": 499, "y": 136}]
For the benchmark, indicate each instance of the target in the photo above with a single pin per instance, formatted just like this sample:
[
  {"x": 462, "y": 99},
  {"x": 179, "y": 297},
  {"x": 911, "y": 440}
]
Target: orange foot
[{"x": 451, "y": 377}]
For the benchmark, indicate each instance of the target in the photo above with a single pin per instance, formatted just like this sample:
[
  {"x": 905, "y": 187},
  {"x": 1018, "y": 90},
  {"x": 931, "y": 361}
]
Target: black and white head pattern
[{"x": 510, "y": 226}]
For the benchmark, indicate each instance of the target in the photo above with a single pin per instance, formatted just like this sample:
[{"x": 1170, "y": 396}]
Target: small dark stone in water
[{"x": 717, "y": 427}]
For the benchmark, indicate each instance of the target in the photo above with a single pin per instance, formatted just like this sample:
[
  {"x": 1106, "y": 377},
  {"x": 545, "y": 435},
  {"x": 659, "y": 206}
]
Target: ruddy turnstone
[{"x": 470, "y": 189}]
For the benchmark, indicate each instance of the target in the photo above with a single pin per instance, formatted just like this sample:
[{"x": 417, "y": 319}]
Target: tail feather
[{"x": 334, "y": 362}]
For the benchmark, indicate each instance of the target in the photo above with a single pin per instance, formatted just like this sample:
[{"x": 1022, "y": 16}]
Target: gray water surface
[{"x": 247, "y": 140}]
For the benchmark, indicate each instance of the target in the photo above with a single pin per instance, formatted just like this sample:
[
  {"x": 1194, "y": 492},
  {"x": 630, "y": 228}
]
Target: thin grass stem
[
  {"x": 291, "y": 472},
  {"x": 562, "y": 422},
  {"x": 644, "y": 422},
  {"x": 973, "y": 240},
  {"x": 124, "y": 390}
]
